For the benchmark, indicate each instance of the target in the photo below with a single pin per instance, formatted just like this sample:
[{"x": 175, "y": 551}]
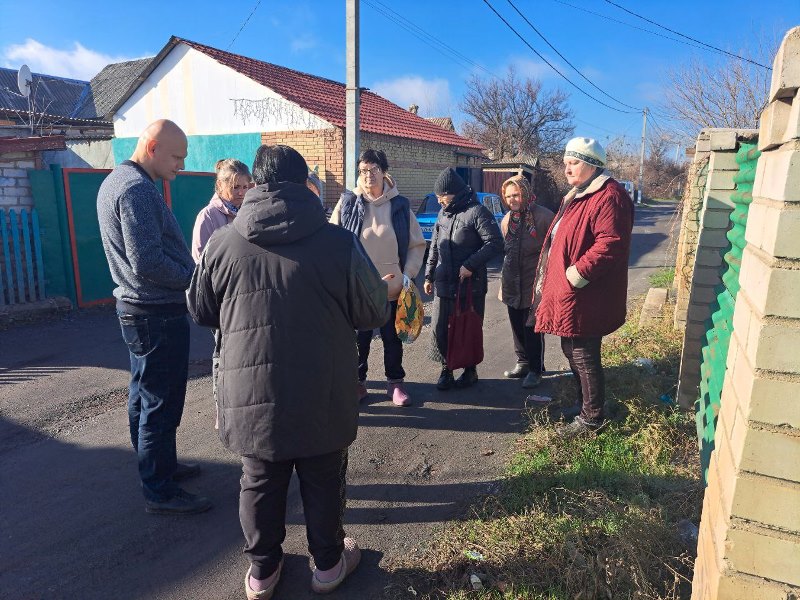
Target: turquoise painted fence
[
  {"x": 720, "y": 325},
  {"x": 21, "y": 269}
]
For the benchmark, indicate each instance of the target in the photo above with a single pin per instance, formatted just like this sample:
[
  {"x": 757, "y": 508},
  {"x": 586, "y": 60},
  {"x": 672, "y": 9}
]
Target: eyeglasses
[{"x": 374, "y": 171}]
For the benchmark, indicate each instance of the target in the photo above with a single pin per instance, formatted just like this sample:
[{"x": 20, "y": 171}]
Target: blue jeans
[{"x": 159, "y": 349}]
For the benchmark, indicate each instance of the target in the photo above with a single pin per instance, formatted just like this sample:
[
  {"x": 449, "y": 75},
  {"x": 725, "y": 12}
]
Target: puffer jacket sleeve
[
  {"x": 200, "y": 297},
  {"x": 433, "y": 253},
  {"x": 368, "y": 301},
  {"x": 611, "y": 227},
  {"x": 489, "y": 233}
]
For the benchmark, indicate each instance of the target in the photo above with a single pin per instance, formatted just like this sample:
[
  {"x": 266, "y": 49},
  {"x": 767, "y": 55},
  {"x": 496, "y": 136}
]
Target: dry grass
[{"x": 587, "y": 518}]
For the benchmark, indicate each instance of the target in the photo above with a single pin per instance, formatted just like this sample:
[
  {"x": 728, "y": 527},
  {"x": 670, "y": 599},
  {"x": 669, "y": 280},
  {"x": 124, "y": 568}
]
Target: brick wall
[
  {"x": 414, "y": 164},
  {"x": 708, "y": 233},
  {"x": 15, "y": 188},
  {"x": 749, "y": 544}
]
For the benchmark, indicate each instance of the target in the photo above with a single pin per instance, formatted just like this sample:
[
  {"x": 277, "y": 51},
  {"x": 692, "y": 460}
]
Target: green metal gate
[{"x": 76, "y": 191}]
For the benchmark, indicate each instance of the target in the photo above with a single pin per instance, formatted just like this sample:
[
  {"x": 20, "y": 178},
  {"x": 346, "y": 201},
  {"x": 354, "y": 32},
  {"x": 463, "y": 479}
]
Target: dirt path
[{"x": 70, "y": 507}]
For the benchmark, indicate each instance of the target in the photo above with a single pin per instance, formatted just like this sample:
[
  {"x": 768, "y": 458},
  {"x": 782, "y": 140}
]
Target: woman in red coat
[{"x": 581, "y": 285}]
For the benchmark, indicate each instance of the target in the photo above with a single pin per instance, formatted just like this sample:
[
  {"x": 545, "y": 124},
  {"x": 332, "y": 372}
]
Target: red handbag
[{"x": 464, "y": 333}]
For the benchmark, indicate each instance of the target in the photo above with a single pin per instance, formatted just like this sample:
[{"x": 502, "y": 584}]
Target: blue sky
[{"x": 76, "y": 38}]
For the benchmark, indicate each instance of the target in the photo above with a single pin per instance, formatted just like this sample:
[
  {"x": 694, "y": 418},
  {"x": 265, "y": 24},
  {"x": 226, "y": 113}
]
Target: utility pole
[
  {"x": 352, "y": 97},
  {"x": 641, "y": 156}
]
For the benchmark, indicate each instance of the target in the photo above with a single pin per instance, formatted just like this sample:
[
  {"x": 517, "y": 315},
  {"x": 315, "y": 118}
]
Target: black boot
[
  {"x": 446, "y": 380},
  {"x": 518, "y": 372},
  {"x": 468, "y": 378}
]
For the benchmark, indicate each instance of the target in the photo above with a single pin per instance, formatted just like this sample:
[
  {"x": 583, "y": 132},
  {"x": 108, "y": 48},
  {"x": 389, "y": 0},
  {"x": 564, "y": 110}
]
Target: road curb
[
  {"x": 33, "y": 310},
  {"x": 653, "y": 305}
]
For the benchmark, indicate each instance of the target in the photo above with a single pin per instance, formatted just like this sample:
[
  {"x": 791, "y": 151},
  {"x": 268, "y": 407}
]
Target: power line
[
  {"x": 424, "y": 36},
  {"x": 631, "y": 25},
  {"x": 246, "y": 21},
  {"x": 564, "y": 58},
  {"x": 630, "y": 12},
  {"x": 549, "y": 64}
]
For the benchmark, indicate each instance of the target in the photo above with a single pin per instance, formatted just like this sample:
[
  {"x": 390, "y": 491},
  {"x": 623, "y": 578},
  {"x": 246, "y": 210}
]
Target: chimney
[{"x": 413, "y": 109}]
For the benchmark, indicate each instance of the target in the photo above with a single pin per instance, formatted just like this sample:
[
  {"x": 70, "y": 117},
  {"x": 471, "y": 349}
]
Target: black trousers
[
  {"x": 392, "y": 349},
  {"x": 583, "y": 355},
  {"x": 262, "y": 508},
  {"x": 528, "y": 345}
]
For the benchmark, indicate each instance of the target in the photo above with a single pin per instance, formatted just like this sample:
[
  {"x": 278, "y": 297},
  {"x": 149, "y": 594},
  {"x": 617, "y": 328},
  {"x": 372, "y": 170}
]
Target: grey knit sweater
[{"x": 145, "y": 248}]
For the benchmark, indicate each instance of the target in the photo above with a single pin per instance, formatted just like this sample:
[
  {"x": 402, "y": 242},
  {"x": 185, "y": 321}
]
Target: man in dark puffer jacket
[{"x": 288, "y": 291}]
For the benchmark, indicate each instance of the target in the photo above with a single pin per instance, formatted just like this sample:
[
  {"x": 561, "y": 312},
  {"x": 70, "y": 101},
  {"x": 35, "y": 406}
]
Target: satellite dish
[{"x": 24, "y": 79}]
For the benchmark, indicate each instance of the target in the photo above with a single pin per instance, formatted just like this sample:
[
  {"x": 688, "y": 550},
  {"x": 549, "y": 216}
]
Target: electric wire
[
  {"x": 731, "y": 54},
  {"x": 564, "y": 58},
  {"x": 549, "y": 64},
  {"x": 246, "y": 21},
  {"x": 424, "y": 36},
  {"x": 631, "y": 25}
]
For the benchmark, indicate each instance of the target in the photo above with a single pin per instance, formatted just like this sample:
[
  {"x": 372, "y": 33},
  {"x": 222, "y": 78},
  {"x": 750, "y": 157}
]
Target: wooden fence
[{"x": 21, "y": 268}]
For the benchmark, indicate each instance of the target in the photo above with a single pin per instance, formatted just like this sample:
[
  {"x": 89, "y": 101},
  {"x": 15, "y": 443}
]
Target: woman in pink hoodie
[{"x": 233, "y": 181}]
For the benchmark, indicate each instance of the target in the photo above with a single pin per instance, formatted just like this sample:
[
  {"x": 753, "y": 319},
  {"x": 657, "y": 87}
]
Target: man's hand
[
  {"x": 464, "y": 272},
  {"x": 428, "y": 287},
  {"x": 388, "y": 277}
]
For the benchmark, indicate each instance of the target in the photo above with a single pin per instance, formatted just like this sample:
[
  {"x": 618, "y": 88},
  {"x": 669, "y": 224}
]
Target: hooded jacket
[
  {"x": 288, "y": 291},
  {"x": 465, "y": 234},
  {"x": 582, "y": 279},
  {"x": 387, "y": 228},
  {"x": 524, "y": 233}
]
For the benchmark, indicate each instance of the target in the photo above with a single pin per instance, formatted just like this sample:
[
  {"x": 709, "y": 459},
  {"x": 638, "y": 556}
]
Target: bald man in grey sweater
[{"x": 152, "y": 267}]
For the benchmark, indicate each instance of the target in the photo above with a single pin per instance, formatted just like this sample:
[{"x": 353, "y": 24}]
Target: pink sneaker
[
  {"x": 362, "y": 390},
  {"x": 398, "y": 395},
  {"x": 350, "y": 559}
]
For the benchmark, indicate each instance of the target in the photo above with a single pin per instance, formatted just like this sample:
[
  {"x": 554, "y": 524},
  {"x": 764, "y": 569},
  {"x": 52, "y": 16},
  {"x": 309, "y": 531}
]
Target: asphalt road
[{"x": 72, "y": 520}]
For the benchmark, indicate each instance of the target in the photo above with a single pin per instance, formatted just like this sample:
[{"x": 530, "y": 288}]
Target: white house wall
[{"x": 206, "y": 98}]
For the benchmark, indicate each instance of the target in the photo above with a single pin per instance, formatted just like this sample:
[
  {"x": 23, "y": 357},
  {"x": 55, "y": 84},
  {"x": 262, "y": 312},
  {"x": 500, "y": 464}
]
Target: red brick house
[{"x": 228, "y": 104}]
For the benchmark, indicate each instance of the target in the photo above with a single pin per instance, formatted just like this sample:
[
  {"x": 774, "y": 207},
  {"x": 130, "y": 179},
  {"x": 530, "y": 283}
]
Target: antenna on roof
[{"x": 24, "y": 79}]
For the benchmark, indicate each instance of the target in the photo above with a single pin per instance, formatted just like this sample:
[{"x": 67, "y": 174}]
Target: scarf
[
  {"x": 231, "y": 207},
  {"x": 522, "y": 219}
]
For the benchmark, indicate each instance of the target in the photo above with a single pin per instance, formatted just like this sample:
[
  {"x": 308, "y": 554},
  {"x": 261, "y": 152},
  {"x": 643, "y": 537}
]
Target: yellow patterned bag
[{"x": 410, "y": 314}]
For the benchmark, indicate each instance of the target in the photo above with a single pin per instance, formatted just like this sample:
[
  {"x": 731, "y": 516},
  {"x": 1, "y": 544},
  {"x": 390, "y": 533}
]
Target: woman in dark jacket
[
  {"x": 465, "y": 238},
  {"x": 581, "y": 283},
  {"x": 524, "y": 228}
]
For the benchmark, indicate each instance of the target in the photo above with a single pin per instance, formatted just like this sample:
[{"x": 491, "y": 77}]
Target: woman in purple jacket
[{"x": 233, "y": 181}]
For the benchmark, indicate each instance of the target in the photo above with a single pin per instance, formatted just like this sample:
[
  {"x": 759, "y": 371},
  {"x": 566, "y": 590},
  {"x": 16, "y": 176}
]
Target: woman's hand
[
  {"x": 428, "y": 287},
  {"x": 388, "y": 277},
  {"x": 464, "y": 272}
]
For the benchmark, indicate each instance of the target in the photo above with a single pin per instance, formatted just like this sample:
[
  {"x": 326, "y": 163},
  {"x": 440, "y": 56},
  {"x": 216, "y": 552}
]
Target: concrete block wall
[
  {"x": 690, "y": 215},
  {"x": 749, "y": 543},
  {"x": 15, "y": 187},
  {"x": 708, "y": 236}
]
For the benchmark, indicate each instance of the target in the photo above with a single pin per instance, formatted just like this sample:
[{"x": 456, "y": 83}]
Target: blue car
[{"x": 428, "y": 211}]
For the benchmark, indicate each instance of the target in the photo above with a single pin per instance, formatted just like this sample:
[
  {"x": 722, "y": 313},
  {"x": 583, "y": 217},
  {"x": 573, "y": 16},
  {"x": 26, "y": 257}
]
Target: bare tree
[
  {"x": 512, "y": 117},
  {"x": 724, "y": 93}
]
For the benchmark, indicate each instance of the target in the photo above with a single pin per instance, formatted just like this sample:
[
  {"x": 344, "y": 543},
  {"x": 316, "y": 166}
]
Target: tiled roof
[
  {"x": 52, "y": 95},
  {"x": 108, "y": 86},
  {"x": 326, "y": 99},
  {"x": 443, "y": 122}
]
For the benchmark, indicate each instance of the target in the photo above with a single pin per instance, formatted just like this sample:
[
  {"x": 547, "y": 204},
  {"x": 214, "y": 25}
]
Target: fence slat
[
  {"x": 27, "y": 250},
  {"x": 37, "y": 250},
  {"x": 7, "y": 256},
  {"x": 12, "y": 217}
]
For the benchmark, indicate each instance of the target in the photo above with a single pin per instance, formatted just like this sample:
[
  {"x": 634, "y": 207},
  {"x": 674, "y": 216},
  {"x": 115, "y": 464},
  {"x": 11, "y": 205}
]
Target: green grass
[
  {"x": 663, "y": 278},
  {"x": 591, "y": 517}
]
